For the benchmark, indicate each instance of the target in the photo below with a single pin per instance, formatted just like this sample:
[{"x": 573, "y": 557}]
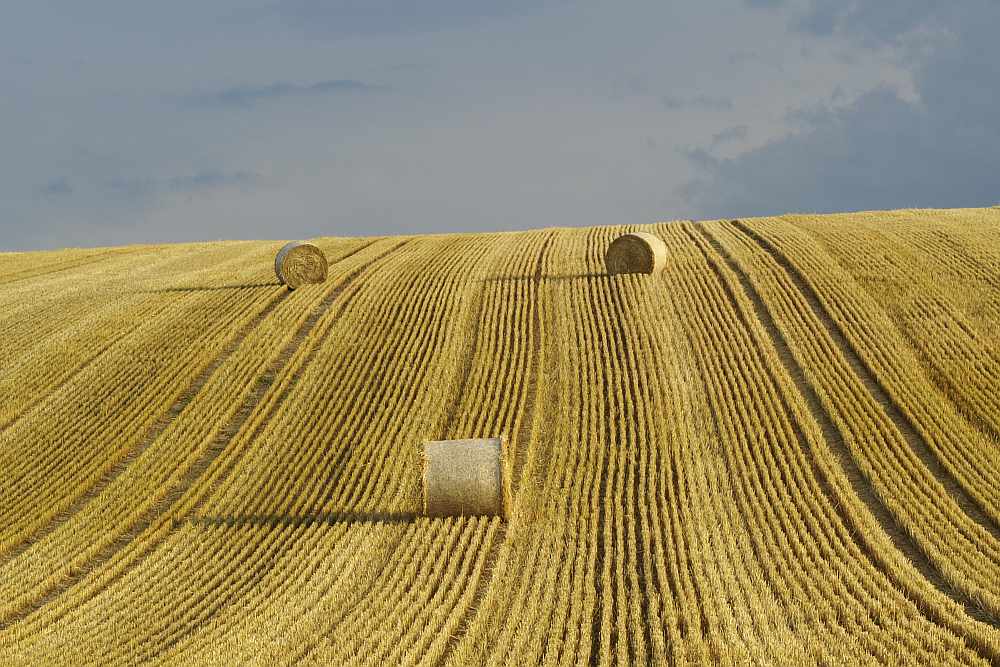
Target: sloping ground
[{"x": 784, "y": 447}]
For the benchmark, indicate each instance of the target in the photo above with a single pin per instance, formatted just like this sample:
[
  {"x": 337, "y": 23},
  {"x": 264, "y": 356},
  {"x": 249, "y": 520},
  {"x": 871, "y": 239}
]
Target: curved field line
[
  {"x": 980, "y": 407},
  {"x": 629, "y": 367},
  {"x": 329, "y": 429},
  {"x": 63, "y": 266},
  {"x": 465, "y": 372},
  {"x": 357, "y": 598},
  {"x": 862, "y": 487},
  {"x": 66, "y": 298},
  {"x": 675, "y": 482},
  {"x": 222, "y": 438},
  {"x": 172, "y": 412},
  {"x": 485, "y": 379},
  {"x": 902, "y": 422},
  {"x": 486, "y": 570},
  {"x": 980, "y": 268},
  {"x": 225, "y": 434},
  {"x": 263, "y": 546},
  {"x": 86, "y": 437},
  {"x": 58, "y": 383},
  {"x": 622, "y": 611},
  {"x": 607, "y": 367},
  {"x": 778, "y": 498},
  {"x": 951, "y": 389},
  {"x": 528, "y": 425},
  {"x": 357, "y": 475},
  {"x": 272, "y": 373},
  {"x": 306, "y": 543},
  {"x": 154, "y": 432},
  {"x": 524, "y": 436}
]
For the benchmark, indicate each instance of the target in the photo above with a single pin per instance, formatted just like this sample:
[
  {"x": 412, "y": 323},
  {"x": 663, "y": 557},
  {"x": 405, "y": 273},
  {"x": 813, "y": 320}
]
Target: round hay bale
[
  {"x": 464, "y": 478},
  {"x": 636, "y": 252},
  {"x": 299, "y": 263}
]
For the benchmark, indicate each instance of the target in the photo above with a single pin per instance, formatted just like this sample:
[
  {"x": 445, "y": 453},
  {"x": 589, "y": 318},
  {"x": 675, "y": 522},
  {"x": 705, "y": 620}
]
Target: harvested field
[{"x": 781, "y": 446}]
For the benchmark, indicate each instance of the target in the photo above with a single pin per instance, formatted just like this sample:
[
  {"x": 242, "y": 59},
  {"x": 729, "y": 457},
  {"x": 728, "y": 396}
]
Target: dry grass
[{"x": 782, "y": 446}]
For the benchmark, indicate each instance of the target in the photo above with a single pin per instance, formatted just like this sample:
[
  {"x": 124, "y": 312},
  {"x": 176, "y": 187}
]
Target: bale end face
[
  {"x": 299, "y": 263},
  {"x": 636, "y": 252},
  {"x": 464, "y": 478}
]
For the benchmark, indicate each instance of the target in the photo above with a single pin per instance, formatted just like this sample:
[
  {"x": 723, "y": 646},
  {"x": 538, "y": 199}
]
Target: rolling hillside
[{"x": 783, "y": 448}]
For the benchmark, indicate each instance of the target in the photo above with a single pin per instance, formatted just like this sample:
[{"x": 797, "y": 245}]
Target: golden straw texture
[
  {"x": 299, "y": 263},
  {"x": 637, "y": 252},
  {"x": 781, "y": 449},
  {"x": 464, "y": 477}
]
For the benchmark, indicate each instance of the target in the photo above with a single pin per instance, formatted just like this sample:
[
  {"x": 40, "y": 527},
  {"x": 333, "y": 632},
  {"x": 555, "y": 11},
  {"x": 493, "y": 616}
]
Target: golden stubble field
[{"x": 783, "y": 448}]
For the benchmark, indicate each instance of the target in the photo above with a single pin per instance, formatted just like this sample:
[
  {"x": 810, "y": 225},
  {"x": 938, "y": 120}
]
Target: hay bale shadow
[
  {"x": 308, "y": 520},
  {"x": 208, "y": 288}
]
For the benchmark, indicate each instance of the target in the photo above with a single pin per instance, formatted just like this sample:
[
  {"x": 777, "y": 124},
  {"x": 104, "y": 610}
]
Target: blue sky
[{"x": 126, "y": 122}]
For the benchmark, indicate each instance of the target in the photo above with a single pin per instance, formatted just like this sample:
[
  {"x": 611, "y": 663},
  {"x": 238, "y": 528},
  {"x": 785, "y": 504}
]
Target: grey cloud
[
  {"x": 701, "y": 159},
  {"x": 743, "y": 57},
  {"x": 248, "y": 96},
  {"x": 869, "y": 21},
  {"x": 509, "y": 88},
  {"x": 848, "y": 161},
  {"x": 821, "y": 19},
  {"x": 212, "y": 179},
  {"x": 131, "y": 188},
  {"x": 810, "y": 116},
  {"x": 734, "y": 133},
  {"x": 881, "y": 151},
  {"x": 56, "y": 187},
  {"x": 698, "y": 102},
  {"x": 201, "y": 181},
  {"x": 340, "y": 18}
]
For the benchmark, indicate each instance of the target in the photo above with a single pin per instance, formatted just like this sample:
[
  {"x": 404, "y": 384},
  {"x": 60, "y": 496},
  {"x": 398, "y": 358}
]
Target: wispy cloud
[{"x": 249, "y": 95}]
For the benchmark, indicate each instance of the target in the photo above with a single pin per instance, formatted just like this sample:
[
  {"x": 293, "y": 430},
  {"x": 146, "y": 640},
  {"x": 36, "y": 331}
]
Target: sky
[{"x": 139, "y": 122}]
